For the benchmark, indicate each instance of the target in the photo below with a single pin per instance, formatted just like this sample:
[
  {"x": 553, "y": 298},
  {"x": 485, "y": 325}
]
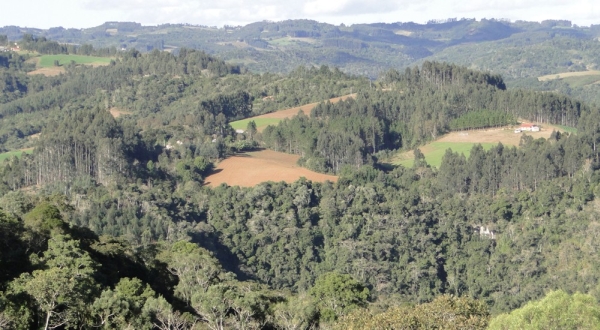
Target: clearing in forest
[
  {"x": 463, "y": 141},
  {"x": 47, "y": 61},
  {"x": 48, "y": 72},
  {"x": 251, "y": 168},
  {"x": 9, "y": 154},
  {"x": 116, "y": 112},
  {"x": 273, "y": 118},
  {"x": 569, "y": 74}
]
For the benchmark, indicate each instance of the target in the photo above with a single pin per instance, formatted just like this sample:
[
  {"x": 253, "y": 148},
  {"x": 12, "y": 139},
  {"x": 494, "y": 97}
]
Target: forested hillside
[
  {"x": 410, "y": 109},
  {"x": 520, "y": 51},
  {"x": 108, "y": 223},
  {"x": 157, "y": 90}
]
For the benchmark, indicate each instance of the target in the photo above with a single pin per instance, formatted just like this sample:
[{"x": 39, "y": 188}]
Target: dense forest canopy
[{"x": 107, "y": 223}]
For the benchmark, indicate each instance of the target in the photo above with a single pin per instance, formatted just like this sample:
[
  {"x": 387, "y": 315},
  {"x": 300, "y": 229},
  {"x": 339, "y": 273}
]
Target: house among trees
[
  {"x": 486, "y": 232},
  {"x": 526, "y": 127}
]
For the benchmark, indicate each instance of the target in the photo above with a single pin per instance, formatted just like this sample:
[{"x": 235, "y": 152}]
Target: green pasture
[
  {"x": 285, "y": 41},
  {"x": 567, "y": 129},
  {"x": 9, "y": 154},
  {"x": 261, "y": 123},
  {"x": 434, "y": 152},
  {"x": 48, "y": 60}
]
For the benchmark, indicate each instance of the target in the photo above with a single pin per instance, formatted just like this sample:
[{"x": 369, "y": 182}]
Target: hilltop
[{"x": 521, "y": 51}]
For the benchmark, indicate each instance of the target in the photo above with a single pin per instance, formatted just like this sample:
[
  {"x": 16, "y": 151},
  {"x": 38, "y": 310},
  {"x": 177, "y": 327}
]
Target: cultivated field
[
  {"x": 462, "y": 142},
  {"x": 569, "y": 75},
  {"x": 47, "y": 61},
  {"x": 285, "y": 41},
  {"x": 251, "y": 168},
  {"x": 48, "y": 72},
  {"x": 273, "y": 118},
  {"x": 434, "y": 152}
]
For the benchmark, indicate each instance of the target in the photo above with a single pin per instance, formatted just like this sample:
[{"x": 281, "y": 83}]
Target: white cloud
[{"x": 87, "y": 13}]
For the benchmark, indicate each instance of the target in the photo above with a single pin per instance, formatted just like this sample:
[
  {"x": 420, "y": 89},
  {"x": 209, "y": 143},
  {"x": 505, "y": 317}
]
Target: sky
[{"x": 89, "y": 13}]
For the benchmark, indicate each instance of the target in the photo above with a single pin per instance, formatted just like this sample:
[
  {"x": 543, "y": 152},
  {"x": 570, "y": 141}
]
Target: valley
[{"x": 393, "y": 177}]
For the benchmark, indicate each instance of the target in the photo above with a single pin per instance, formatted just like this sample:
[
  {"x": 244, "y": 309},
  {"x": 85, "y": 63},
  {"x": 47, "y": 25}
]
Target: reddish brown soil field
[
  {"x": 251, "y": 168},
  {"x": 307, "y": 108}
]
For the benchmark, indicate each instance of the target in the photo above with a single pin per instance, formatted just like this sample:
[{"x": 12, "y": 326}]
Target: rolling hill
[{"x": 521, "y": 51}]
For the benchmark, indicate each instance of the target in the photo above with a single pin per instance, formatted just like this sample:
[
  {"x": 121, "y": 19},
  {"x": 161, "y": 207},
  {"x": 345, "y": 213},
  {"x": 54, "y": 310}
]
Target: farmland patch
[
  {"x": 463, "y": 141},
  {"x": 47, "y": 61},
  {"x": 569, "y": 75},
  {"x": 251, "y": 168},
  {"x": 48, "y": 72},
  {"x": 273, "y": 118}
]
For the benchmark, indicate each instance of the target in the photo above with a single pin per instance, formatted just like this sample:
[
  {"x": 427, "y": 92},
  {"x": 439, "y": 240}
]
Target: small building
[
  {"x": 486, "y": 232},
  {"x": 529, "y": 127}
]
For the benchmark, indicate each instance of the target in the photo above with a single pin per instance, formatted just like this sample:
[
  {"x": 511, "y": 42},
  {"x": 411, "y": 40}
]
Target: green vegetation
[
  {"x": 482, "y": 119},
  {"x": 109, "y": 223},
  {"x": 577, "y": 82},
  {"x": 63, "y": 59},
  {"x": 434, "y": 152},
  {"x": 521, "y": 51},
  {"x": 17, "y": 153},
  {"x": 558, "y": 310},
  {"x": 567, "y": 128},
  {"x": 444, "y": 312},
  {"x": 261, "y": 123}
]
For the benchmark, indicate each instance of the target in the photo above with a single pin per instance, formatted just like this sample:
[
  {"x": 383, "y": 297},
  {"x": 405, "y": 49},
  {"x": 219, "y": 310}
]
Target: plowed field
[{"x": 251, "y": 168}]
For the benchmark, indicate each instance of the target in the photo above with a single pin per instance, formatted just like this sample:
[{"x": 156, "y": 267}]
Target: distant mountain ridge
[{"x": 521, "y": 51}]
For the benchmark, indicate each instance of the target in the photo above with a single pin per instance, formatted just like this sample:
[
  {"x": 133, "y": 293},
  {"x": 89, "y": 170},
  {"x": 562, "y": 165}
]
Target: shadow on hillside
[{"x": 211, "y": 241}]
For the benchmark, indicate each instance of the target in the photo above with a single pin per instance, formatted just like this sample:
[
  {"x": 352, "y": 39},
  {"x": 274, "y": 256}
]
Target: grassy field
[
  {"x": 273, "y": 118},
  {"x": 286, "y": 41},
  {"x": 463, "y": 141},
  {"x": 567, "y": 128},
  {"x": 9, "y": 154},
  {"x": 261, "y": 123},
  {"x": 569, "y": 75},
  {"x": 48, "y": 60},
  {"x": 434, "y": 152}
]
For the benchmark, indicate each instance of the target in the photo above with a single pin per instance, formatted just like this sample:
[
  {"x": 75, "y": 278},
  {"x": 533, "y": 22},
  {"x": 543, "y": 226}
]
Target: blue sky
[{"x": 89, "y": 13}]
